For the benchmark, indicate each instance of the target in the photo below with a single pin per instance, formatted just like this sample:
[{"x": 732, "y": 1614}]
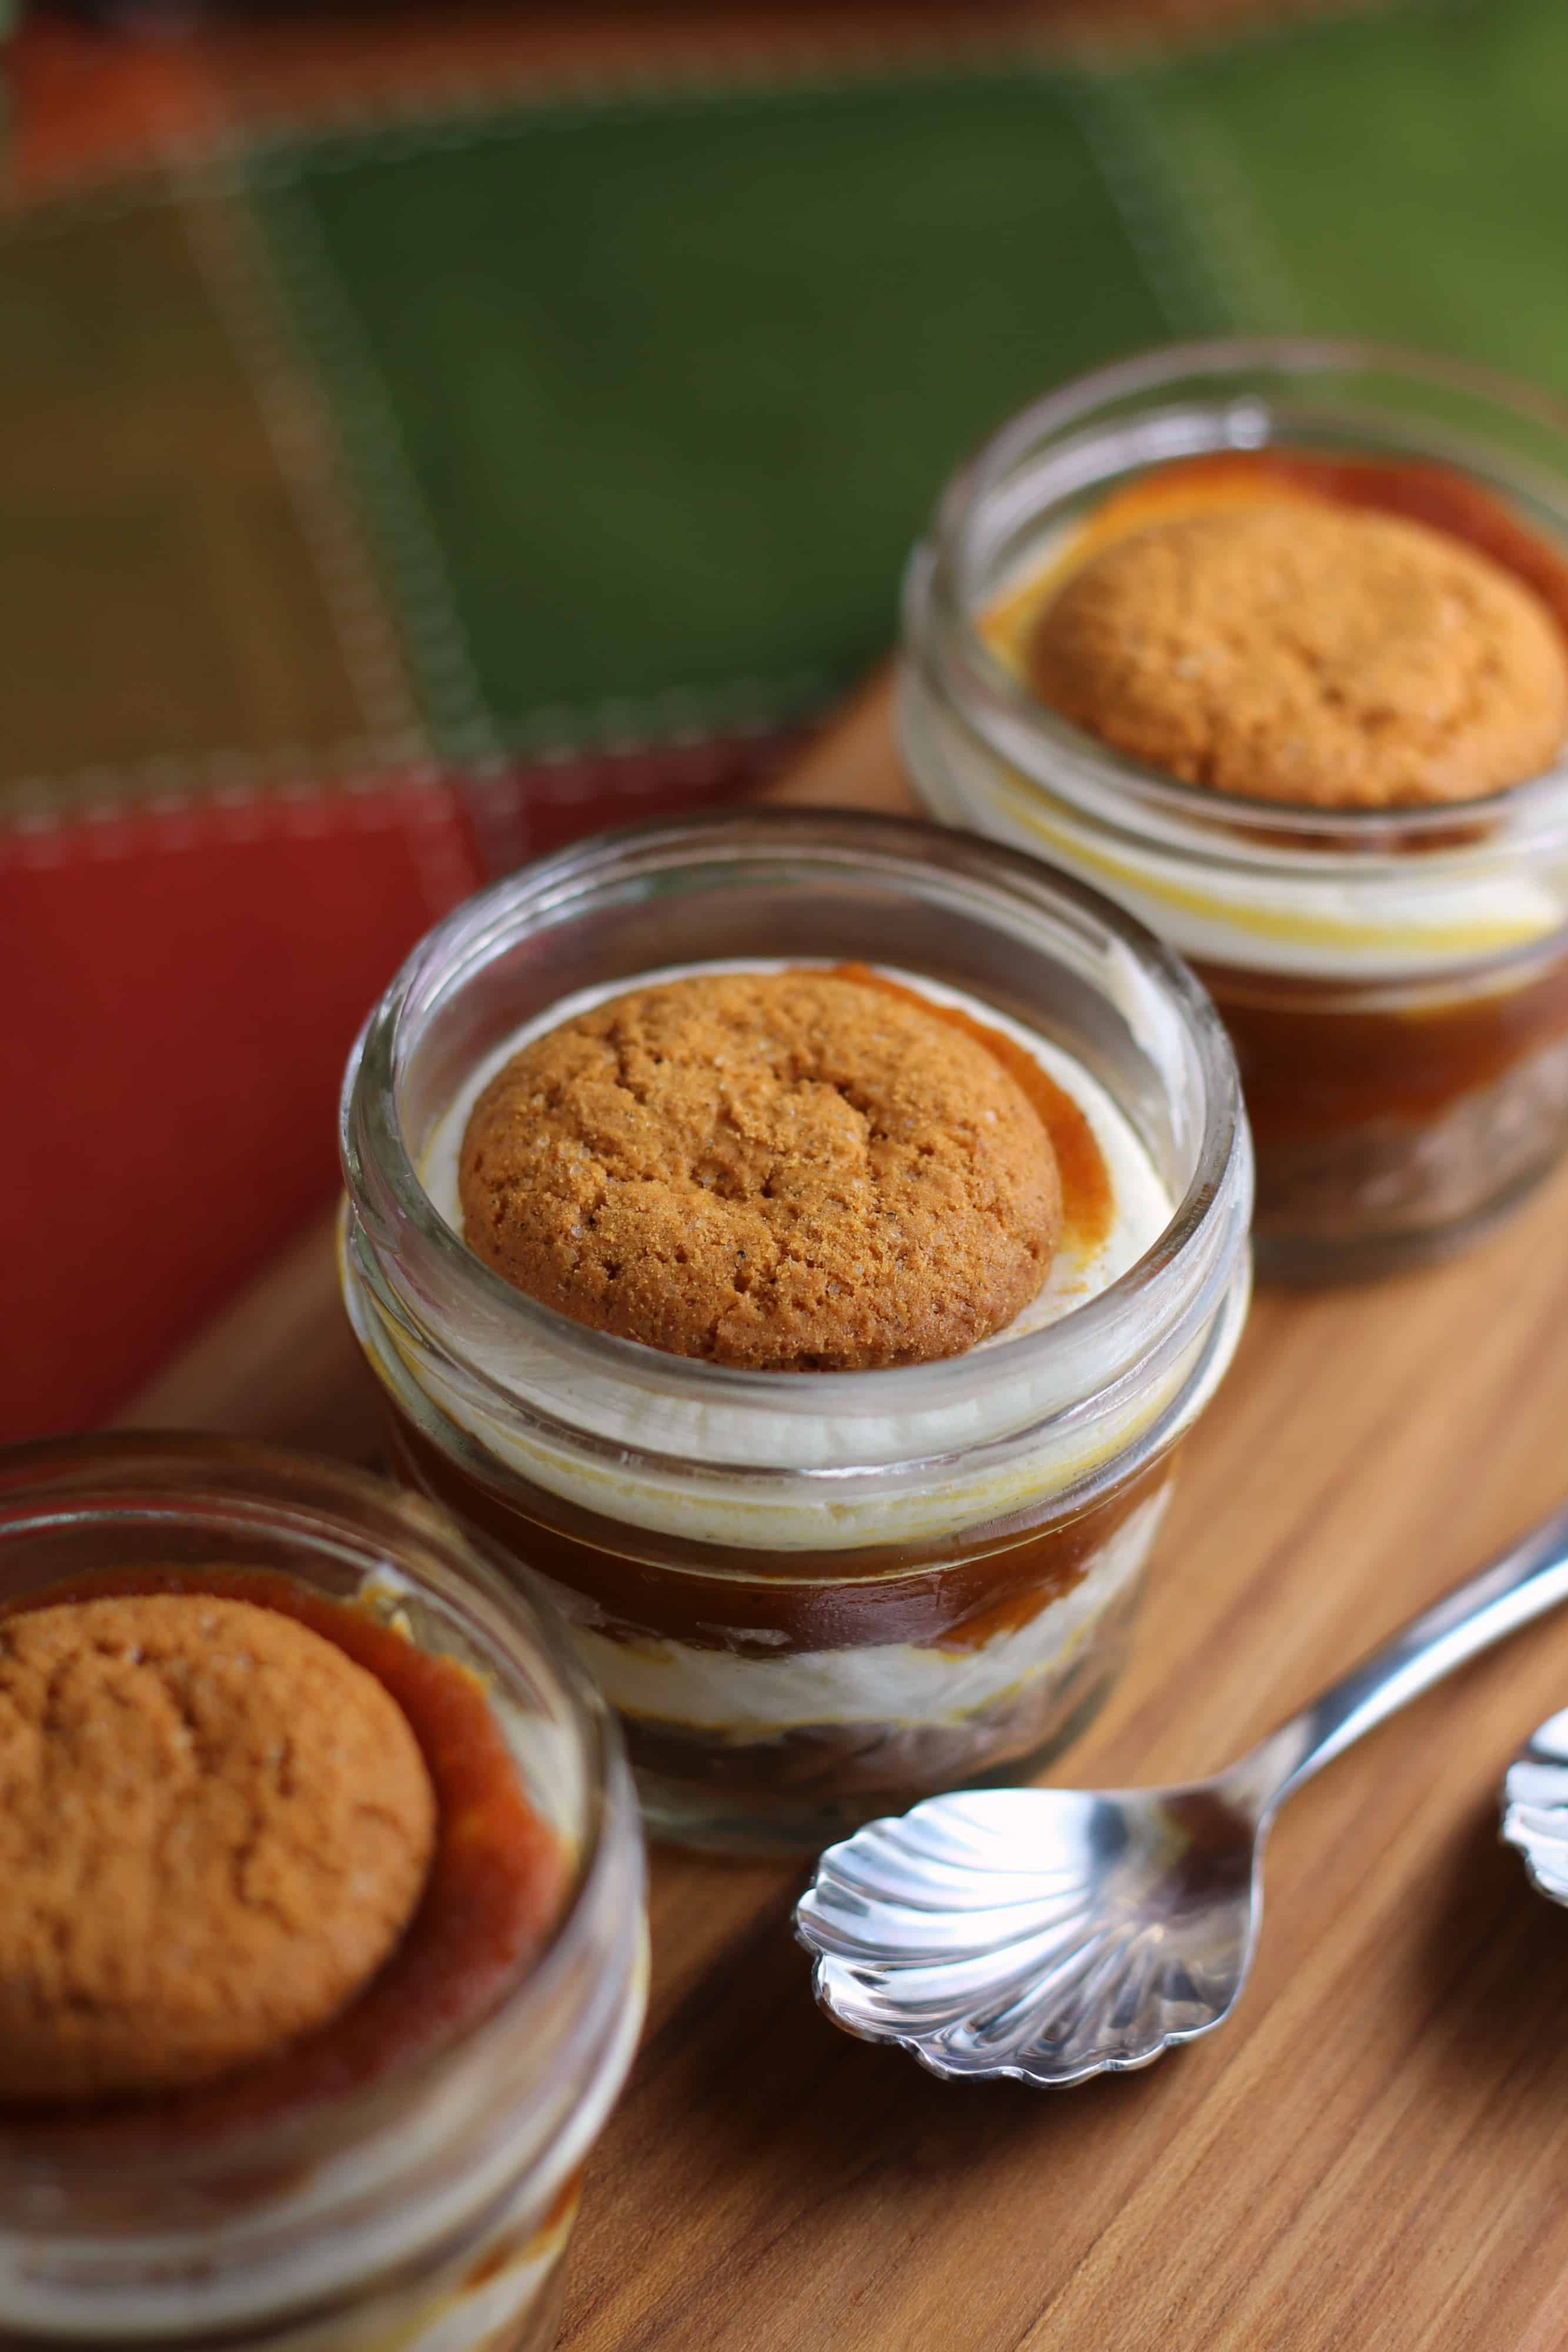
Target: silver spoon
[
  {"x": 1535, "y": 1808},
  {"x": 1053, "y": 1934}
]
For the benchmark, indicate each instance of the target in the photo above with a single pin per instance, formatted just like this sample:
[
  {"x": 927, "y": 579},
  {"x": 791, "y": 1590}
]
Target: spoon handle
[{"x": 1522, "y": 1583}]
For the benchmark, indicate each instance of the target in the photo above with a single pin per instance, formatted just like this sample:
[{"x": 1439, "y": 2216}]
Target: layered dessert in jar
[
  {"x": 1270, "y": 642},
  {"x": 322, "y": 1959},
  {"x": 803, "y": 1241}
]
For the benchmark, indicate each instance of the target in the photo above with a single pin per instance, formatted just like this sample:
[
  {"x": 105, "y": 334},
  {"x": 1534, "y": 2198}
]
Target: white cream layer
[
  {"x": 1395, "y": 915},
  {"x": 634, "y": 1409},
  {"x": 743, "y": 1699}
]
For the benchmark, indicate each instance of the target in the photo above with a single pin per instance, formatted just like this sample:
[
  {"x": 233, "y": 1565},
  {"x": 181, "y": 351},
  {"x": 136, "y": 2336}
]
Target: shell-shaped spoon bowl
[
  {"x": 1044, "y": 1934},
  {"x": 1052, "y": 1934},
  {"x": 1535, "y": 1808}
]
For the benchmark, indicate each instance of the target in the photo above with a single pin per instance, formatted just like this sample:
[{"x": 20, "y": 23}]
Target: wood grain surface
[{"x": 1372, "y": 2156}]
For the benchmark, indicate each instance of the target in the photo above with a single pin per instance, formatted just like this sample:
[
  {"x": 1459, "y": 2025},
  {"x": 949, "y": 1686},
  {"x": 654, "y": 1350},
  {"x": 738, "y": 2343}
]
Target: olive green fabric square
[
  {"x": 1402, "y": 174},
  {"x": 650, "y": 399},
  {"x": 161, "y": 602}
]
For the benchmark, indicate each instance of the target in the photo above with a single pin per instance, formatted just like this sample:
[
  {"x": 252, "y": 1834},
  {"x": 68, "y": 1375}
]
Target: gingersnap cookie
[
  {"x": 785, "y": 1171},
  {"x": 214, "y": 1826},
  {"x": 1292, "y": 652}
]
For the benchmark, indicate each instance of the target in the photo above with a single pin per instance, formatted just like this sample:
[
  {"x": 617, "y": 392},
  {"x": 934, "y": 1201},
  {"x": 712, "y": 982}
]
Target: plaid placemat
[{"x": 394, "y": 489}]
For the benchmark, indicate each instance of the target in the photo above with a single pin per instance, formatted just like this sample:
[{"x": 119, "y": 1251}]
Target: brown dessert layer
[
  {"x": 1367, "y": 1118},
  {"x": 214, "y": 1828},
  {"x": 956, "y": 1592},
  {"x": 884, "y": 1767},
  {"x": 781, "y": 1171},
  {"x": 1314, "y": 1057},
  {"x": 1290, "y": 651},
  {"x": 495, "y": 1882}
]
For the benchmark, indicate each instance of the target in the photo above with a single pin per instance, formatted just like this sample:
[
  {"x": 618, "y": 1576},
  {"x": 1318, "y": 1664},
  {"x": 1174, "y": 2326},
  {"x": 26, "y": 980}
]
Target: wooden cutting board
[{"x": 1374, "y": 2154}]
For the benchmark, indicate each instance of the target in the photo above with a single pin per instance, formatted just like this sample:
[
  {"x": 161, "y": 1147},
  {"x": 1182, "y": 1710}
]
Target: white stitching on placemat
[
  {"x": 678, "y": 717},
  {"x": 548, "y": 781},
  {"x": 1199, "y": 175},
  {"x": 443, "y": 871},
  {"x": 290, "y": 789},
  {"x": 102, "y": 830},
  {"x": 1232, "y": 252},
  {"x": 442, "y": 114},
  {"x": 1178, "y": 268},
  {"x": 466, "y": 726},
  {"x": 468, "y": 112},
  {"x": 228, "y": 249},
  {"x": 257, "y": 778},
  {"x": 1298, "y": 24},
  {"x": 233, "y": 777},
  {"x": 360, "y": 765},
  {"x": 374, "y": 451},
  {"x": 472, "y": 732}
]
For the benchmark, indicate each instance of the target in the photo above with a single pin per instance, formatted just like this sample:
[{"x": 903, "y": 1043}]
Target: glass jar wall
[
  {"x": 1394, "y": 980},
  {"x": 310, "y": 2203},
  {"x": 813, "y": 1596}
]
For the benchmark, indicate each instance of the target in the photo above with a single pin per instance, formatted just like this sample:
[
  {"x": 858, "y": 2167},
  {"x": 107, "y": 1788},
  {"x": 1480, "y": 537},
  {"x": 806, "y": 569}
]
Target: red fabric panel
[{"x": 178, "y": 991}]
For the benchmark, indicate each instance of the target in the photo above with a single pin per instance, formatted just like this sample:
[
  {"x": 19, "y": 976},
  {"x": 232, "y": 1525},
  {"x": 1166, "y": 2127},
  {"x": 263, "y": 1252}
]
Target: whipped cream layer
[
  {"x": 1334, "y": 913},
  {"x": 747, "y": 1699},
  {"x": 783, "y": 1512}
]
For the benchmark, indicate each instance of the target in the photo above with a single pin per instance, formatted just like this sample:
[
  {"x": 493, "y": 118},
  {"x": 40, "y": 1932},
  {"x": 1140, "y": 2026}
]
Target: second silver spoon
[{"x": 1052, "y": 1934}]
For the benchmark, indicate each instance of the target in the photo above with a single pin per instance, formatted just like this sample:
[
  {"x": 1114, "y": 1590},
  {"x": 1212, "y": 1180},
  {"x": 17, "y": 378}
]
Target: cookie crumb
[
  {"x": 778, "y": 1171},
  {"x": 215, "y": 1827},
  {"x": 1291, "y": 652}
]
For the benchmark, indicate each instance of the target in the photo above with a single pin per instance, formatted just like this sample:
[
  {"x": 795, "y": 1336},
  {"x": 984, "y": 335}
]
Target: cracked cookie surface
[
  {"x": 1291, "y": 652},
  {"x": 778, "y": 1171},
  {"x": 214, "y": 1826}
]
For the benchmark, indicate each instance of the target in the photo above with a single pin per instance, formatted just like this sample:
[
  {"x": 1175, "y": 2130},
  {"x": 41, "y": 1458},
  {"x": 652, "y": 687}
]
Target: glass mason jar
[
  {"x": 429, "y": 2208},
  {"x": 814, "y": 1597},
  {"x": 1395, "y": 981}
]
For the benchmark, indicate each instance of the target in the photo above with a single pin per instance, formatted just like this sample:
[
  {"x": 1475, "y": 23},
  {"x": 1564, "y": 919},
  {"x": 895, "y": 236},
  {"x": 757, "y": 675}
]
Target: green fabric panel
[
  {"x": 677, "y": 381},
  {"x": 161, "y": 602},
  {"x": 1403, "y": 174}
]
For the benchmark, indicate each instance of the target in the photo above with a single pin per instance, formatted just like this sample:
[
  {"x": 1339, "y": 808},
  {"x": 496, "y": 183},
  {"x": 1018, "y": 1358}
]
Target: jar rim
[
  {"x": 389, "y": 1201},
  {"x": 306, "y": 1495},
  {"x": 998, "y": 705}
]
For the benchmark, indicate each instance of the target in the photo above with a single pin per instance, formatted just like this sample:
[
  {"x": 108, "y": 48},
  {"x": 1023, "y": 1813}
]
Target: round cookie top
[
  {"x": 784, "y": 1171},
  {"x": 214, "y": 1828},
  {"x": 1293, "y": 651}
]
